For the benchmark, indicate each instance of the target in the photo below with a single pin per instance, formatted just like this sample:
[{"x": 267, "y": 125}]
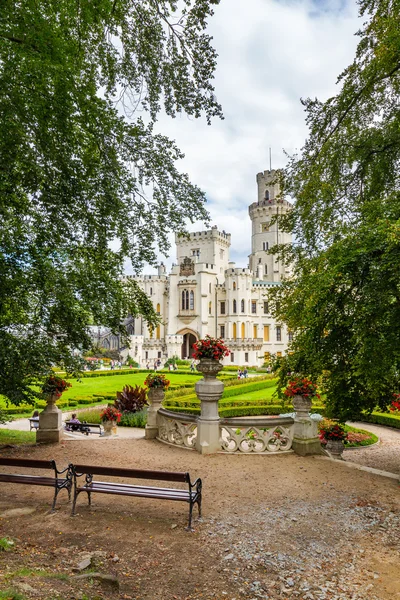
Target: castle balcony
[{"x": 244, "y": 343}]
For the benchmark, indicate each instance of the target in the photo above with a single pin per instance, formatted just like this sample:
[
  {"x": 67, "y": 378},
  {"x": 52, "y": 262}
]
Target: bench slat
[
  {"x": 129, "y": 486},
  {"x": 133, "y": 473},
  {"x": 138, "y": 493},
  {"x": 135, "y": 488},
  {"x": 24, "y": 462},
  {"x": 31, "y": 479}
]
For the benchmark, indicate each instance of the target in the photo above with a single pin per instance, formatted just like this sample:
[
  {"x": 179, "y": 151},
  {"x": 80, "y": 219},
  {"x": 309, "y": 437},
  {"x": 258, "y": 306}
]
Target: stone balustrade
[{"x": 263, "y": 435}]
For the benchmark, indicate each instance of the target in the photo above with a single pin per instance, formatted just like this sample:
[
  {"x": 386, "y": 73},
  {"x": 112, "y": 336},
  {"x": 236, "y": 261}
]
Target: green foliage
[
  {"x": 382, "y": 419},
  {"x": 6, "y": 544},
  {"x": 11, "y": 594},
  {"x": 343, "y": 302},
  {"x": 81, "y": 85},
  {"x": 137, "y": 419},
  {"x": 131, "y": 399}
]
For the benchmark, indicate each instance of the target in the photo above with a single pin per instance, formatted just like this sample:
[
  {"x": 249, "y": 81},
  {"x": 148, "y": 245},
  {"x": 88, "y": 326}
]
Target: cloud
[{"x": 271, "y": 54}]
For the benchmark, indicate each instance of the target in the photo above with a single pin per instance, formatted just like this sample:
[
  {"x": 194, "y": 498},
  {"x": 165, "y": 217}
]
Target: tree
[
  {"x": 343, "y": 302},
  {"x": 85, "y": 182}
]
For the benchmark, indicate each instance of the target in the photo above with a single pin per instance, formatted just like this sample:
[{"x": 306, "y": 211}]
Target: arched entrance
[{"x": 190, "y": 337}]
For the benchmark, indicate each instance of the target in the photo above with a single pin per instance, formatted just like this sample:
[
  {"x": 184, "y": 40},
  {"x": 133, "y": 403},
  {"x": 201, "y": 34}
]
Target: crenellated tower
[{"x": 266, "y": 267}]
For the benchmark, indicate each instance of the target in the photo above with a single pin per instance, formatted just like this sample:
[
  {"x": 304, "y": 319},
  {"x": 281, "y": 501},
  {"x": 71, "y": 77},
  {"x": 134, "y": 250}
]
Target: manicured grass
[
  {"x": 10, "y": 436},
  {"x": 264, "y": 394},
  {"x": 371, "y": 439}
]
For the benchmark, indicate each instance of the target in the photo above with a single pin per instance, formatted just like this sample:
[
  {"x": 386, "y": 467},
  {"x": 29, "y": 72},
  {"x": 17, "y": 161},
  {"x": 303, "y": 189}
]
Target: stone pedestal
[
  {"x": 50, "y": 423},
  {"x": 209, "y": 390},
  {"x": 305, "y": 436},
  {"x": 155, "y": 396}
]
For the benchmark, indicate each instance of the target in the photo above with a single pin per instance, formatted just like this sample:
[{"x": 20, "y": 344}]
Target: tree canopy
[
  {"x": 85, "y": 182},
  {"x": 343, "y": 301}
]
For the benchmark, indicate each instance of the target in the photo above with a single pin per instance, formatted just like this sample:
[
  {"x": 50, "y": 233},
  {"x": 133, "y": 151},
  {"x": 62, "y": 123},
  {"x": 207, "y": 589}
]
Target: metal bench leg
[
  {"x": 189, "y": 527},
  {"x": 89, "y": 498},
  {"x": 74, "y": 504},
  {"x": 199, "y": 506},
  {"x": 56, "y": 490}
]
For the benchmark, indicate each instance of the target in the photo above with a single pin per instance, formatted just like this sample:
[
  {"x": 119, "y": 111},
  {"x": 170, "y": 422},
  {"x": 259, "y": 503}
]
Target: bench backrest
[
  {"x": 133, "y": 473},
  {"x": 24, "y": 462}
]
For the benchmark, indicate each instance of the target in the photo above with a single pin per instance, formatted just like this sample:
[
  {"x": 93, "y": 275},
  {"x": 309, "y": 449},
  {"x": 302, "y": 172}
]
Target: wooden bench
[
  {"x": 56, "y": 482},
  {"x": 84, "y": 427},
  {"x": 192, "y": 495},
  {"x": 33, "y": 424}
]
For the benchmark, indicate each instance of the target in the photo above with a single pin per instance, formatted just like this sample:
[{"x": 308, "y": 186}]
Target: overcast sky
[{"x": 271, "y": 54}]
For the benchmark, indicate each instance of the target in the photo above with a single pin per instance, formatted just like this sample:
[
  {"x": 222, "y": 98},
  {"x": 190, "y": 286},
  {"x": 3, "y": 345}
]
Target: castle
[{"x": 205, "y": 293}]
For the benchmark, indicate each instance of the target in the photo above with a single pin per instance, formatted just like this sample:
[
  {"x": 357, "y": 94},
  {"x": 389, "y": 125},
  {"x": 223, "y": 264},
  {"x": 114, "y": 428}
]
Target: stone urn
[
  {"x": 108, "y": 428},
  {"x": 335, "y": 448},
  {"x": 50, "y": 422},
  {"x": 209, "y": 390},
  {"x": 155, "y": 397},
  {"x": 302, "y": 405}
]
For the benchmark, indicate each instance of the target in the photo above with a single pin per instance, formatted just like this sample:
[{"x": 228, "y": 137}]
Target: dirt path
[{"x": 274, "y": 527}]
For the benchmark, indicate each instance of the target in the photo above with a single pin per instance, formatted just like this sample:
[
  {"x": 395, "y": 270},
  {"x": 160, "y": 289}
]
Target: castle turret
[{"x": 264, "y": 234}]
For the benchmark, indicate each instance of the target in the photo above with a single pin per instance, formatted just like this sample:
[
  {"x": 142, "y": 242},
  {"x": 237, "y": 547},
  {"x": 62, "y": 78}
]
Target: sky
[{"x": 271, "y": 54}]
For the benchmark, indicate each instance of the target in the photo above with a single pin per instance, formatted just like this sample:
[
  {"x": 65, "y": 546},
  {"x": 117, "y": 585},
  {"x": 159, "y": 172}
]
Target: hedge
[
  {"x": 246, "y": 411},
  {"x": 382, "y": 419}
]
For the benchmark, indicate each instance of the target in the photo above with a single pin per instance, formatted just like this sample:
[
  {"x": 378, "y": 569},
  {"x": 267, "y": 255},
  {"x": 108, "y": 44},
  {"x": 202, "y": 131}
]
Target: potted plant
[
  {"x": 209, "y": 352},
  {"x": 110, "y": 416},
  {"x": 53, "y": 387},
  {"x": 333, "y": 435},
  {"x": 156, "y": 383},
  {"x": 301, "y": 390}
]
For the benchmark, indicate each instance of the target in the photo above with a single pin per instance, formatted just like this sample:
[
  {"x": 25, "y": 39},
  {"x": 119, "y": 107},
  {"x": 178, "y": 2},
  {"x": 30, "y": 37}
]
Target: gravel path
[{"x": 385, "y": 455}]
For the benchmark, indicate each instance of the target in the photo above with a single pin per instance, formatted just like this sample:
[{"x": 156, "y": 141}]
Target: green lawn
[
  {"x": 10, "y": 436},
  {"x": 264, "y": 394},
  {"x": 111, "y": 385}
]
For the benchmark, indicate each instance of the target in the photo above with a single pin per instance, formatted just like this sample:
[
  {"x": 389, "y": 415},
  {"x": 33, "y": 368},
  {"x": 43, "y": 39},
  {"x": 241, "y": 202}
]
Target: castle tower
[{"x": 264, "y": 234}]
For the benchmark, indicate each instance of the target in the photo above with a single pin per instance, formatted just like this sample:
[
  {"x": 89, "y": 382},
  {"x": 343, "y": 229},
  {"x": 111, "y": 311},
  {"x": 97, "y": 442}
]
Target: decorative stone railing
[
  {"x": 177, "y": 428},
  {"x": 257, "y": 435},
  {"x": 240, "y": 435}
]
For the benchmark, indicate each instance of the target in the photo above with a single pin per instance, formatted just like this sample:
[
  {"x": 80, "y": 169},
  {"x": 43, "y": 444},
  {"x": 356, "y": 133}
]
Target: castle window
[
  {"x": 158, "y": 354},
  {"x": 246, "y": 357},
  {"x": 265, "y": 270},
  {"x": 265, "y": 307},
  {"x": 222, "y": 331},
  {"x": 234, "y": 285},
  {"x": 234, "y": 331},
  {"x": 255, "y": 331},
  {"x": 266, "y": 333},
  {"x": 185, "y": 300},
  {"x": 253, "y": 307},
  {"x": 221, "y": 254},
  {"x": 222, "y": 308},
  {"x": 264, "y": 226},
  {"x": 232, "y": 357},
  {"x": 265, "y": 245},
  {"x": 209, "y": 308},
  {"x": 151, "y": 291},
  {"x": 243, "y": 331},
  {"x": 266, "y": 195},
  {"x": 191, "y": 300},
  {"x": 209, "y": 288},
  {"x": 158, "y": 309},
  {"x": 146, "y": 355},
  {"x": 278, "y": 333},
  {"x": 158, "y": 332},
  {"x": 234, "y": 307},
  {"x": 196, "y": 252},
  {"x": 242, "y": 306}
]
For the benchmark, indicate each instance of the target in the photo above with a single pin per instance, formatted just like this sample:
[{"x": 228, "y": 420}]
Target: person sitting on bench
[
  {"x": 34, "y": 420},
  {"x": 74, "y": 424}
]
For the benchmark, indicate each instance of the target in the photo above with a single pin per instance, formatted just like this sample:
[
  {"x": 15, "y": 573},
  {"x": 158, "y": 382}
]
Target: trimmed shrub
[{"x": 382, "y": 419}]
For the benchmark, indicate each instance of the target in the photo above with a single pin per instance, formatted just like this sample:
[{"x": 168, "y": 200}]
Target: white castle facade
[{"x": 205, "y": 293}]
